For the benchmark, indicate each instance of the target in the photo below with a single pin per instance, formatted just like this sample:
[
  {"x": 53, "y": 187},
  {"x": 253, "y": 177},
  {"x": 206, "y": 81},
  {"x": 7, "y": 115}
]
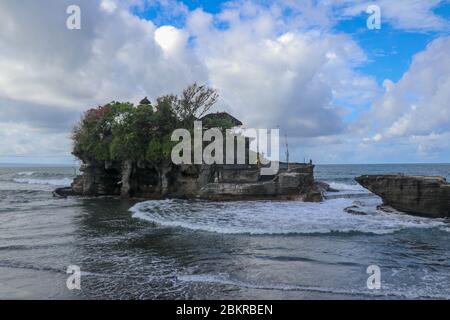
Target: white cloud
[
  {"x": 171, "y": 39},
  {"x": 108, "y": 5},
  {"x": 291, "y": 79},
  {"x": 270, "y": 68},
  {"x": 377, "y": 137},
  {"x": 419, "y": 103},
  {"x": 412, "y": 118},
  {"x": 417, "y": 15},
  {"x": 18, "y": 139},
  {"x": 49, "y": 74},
  {"x": 404, "y": 14}
]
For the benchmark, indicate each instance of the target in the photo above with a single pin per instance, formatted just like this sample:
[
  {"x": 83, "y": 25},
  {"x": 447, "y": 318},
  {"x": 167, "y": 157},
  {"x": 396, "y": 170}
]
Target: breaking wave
[
  {"x": 57, "y": 183},
  {"x": 26, "y": 173},
  {"x": 277, "y": 217},
  {"x": 345, "y": 187},
  {"x": 347, "y": 190},
  {"x": 43, "y": 178}
]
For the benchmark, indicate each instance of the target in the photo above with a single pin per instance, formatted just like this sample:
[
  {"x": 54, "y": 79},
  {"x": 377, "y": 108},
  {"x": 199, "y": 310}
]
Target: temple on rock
[{"x": 238, "y": 181}]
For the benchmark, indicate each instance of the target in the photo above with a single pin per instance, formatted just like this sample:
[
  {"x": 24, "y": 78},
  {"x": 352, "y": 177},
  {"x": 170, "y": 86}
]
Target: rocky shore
[
  {"x": 212, "y": 182},
  {"x": 417, "y": 195},
  {"x": 147, "y": 151}
]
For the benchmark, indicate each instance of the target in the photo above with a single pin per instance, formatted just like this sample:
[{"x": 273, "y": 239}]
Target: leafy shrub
[{"x": 122, "y": 131}]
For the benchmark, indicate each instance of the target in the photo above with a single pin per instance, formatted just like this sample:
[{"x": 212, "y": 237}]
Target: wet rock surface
[
  {"x": 417, "y": 195},
  {"x": 145, "y": 180}
]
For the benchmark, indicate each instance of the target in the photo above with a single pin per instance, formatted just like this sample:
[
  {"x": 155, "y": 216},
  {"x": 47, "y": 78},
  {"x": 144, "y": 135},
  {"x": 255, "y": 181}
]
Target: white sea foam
[
  {"x": 224, "y": 279},
  {"x": 344, "y": 187},
  {"x": 276, "y": 217},
  {"x": 25, "y": 173},
  {"x": 63, "y": 182}
]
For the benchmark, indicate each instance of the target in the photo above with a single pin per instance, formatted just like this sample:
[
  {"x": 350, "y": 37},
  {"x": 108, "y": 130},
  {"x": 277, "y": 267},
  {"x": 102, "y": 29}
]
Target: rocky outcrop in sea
[
  {"x": 213, "y": 182},
  {"x": 418, "y": 195}
]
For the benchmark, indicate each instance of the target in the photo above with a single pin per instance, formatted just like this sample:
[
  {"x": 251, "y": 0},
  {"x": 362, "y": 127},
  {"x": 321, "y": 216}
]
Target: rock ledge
[{"x": 425, "y": 196}]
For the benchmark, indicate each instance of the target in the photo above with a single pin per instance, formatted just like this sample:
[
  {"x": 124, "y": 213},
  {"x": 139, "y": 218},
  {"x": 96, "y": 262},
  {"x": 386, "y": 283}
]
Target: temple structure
[{"x": 235, "y": 181}]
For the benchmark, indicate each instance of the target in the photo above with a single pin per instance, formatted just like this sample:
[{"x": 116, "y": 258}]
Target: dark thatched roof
[
  {"x": 145, "y": 101},
  {"x": 221, "y": 116}
]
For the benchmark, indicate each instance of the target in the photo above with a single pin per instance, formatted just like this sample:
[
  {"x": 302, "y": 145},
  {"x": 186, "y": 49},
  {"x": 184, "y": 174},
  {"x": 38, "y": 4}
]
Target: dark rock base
[{"x": 415, "y": 195}]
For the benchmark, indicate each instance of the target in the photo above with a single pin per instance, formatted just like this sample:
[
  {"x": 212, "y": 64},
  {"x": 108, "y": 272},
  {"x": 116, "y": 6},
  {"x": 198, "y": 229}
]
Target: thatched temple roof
[{"x": 224, "y": 116}]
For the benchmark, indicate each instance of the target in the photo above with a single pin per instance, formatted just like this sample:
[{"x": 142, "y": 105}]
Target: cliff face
[
  {"x": 214, "y": 182},
  {"x": 424, "y": 196}
]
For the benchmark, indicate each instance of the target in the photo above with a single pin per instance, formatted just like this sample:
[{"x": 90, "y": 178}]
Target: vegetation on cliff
[{"x": 121, "y": 131}]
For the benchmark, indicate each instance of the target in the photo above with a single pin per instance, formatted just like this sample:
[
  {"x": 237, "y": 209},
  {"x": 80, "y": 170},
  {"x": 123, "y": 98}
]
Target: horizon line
[{"x": 37, "y": 164}]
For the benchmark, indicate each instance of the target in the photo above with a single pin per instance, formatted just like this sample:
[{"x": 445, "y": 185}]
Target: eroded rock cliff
[
  {"x": 213, "y": 182},
  {"x": 417, "y": 195}
]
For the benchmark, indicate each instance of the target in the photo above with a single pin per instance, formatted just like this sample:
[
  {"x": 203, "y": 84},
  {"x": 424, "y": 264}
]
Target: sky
[{"x": 340, "y": 91}]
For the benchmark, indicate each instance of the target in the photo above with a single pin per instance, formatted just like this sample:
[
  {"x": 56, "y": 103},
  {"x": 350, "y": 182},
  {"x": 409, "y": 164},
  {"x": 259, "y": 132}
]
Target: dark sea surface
[{"x": 175, "y": 249}]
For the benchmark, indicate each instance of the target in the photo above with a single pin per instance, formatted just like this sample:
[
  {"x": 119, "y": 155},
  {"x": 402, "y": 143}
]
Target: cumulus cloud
[
  {"x": 114, "y": 55},
  {"x": 269, "y": 76},
  {"x": 412, "y": 15},
  {"x": 417, "y": 15},
  {"x": 49, "y": 74},
  {"x": 418, "y": 104},
  {"x": 415, "y": 111},
  {"x": 273, "y": 62}
]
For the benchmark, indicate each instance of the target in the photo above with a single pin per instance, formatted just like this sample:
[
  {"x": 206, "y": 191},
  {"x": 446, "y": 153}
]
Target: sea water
[{"x": 177, "y": 249}]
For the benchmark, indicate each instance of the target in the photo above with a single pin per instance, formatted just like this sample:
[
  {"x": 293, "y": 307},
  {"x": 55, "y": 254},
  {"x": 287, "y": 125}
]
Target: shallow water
[{"x": 174, "y": 249}]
